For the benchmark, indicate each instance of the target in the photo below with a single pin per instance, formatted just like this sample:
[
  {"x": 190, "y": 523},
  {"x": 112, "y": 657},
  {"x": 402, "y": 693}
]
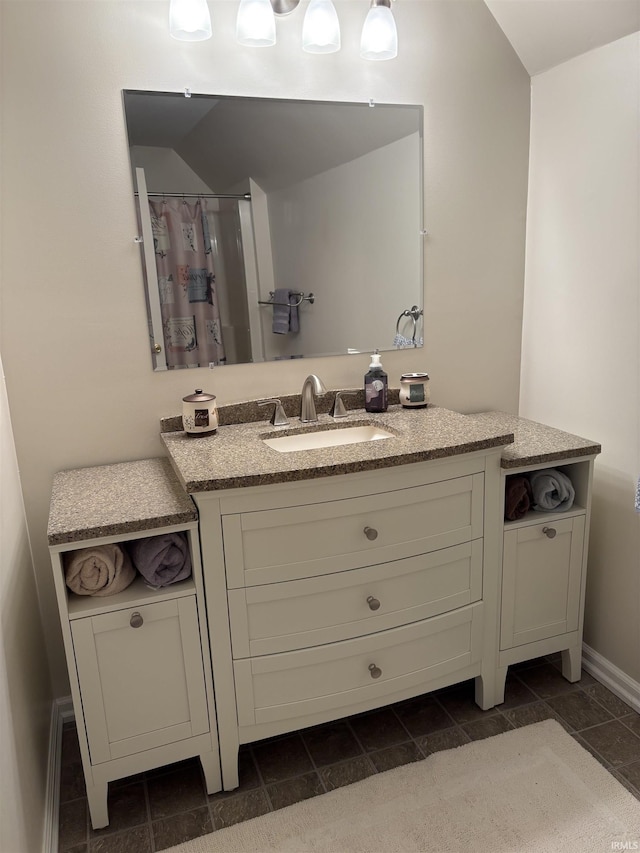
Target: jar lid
[
  {"x": 414, "y": 376},
  {"x": 199, "y": 396}
]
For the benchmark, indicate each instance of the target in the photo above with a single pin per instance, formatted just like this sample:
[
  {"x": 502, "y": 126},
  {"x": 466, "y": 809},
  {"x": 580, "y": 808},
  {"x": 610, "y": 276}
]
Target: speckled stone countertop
[
  {"x": 534, "y": 443},
  {"x": 108, "y": 500},
  {"x": 111, "y": 500},
  {"x": 236, "y": 456}
]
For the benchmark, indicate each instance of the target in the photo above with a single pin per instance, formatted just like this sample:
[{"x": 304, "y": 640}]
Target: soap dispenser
[{"x": 375, "y": 386}]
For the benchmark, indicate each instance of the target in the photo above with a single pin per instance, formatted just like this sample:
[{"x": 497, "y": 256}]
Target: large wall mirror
[{"x": 276, "y": 229}]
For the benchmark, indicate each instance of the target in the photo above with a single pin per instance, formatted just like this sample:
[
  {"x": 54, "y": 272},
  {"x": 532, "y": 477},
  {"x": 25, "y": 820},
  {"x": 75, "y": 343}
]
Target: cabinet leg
[
  {"x": 211, "y": 769},
  {"x": 501, "y": 678},
  {"x": 229, "y": 757},
  {"x": 485, "y": 690},
  {"x": 572, "y": 663},
  {"x": 98, "y": 809}
]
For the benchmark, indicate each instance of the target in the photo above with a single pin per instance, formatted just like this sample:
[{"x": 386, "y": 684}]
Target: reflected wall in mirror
[{"x": 276, "y": 229}]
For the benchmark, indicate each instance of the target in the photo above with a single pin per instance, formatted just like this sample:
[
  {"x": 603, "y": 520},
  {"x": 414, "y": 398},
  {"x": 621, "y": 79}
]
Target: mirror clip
[{"x": 187, "y": 93}]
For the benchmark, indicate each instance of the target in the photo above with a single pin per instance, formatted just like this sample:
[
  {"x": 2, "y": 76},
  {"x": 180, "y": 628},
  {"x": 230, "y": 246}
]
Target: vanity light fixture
[
  {"x": 189, "y": 20},
  {"x": 256, "y": 23},
  {"x": 379, "y": 34},
  {"x": 321, "y": 28}
]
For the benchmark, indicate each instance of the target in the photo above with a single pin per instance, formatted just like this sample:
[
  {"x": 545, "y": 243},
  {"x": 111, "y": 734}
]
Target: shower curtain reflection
[{"x": 189, "y": 304}]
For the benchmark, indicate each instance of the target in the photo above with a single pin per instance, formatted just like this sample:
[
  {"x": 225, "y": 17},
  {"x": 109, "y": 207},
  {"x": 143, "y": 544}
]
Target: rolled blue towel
[
  {"x": 552, "y": 490},
  {"x": 163, "y": 559}
]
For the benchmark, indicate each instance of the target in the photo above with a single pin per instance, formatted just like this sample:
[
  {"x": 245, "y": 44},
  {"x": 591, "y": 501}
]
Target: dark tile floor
[{"x": 155, "y": 810}]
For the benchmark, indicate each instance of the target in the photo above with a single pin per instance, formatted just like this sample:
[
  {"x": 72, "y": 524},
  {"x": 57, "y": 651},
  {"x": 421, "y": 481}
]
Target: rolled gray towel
[
  {"x": 552, "y": 490},
  {"x": 162, "y": 559}
]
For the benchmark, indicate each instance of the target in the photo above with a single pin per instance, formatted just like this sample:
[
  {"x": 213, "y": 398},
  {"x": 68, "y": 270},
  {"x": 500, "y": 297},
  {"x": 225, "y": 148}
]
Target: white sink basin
[{"x": 317, "y": 439}]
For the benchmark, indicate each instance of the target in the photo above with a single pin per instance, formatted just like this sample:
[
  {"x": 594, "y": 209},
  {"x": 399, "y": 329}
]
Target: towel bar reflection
[{"x": 301, "y": 297}]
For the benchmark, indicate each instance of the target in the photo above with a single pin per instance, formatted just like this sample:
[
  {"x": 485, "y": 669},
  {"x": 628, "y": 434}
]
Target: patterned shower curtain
[{"x": 186, "y": 280}]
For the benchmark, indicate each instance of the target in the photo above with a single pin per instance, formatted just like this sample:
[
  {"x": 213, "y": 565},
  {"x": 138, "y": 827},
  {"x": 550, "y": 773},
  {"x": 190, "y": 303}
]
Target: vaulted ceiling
[{"x": 545, "y": 33}]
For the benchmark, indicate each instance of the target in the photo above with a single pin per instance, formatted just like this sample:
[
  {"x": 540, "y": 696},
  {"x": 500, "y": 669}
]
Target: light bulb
[
  {"x": 379, "y": 34},
  {"x": 256, "y": 23},
  {"x": 189, "y": 20},
  {"x": 321, "y": 28}
]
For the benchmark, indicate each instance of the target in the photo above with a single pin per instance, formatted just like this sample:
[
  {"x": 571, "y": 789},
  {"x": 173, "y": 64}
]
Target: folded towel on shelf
[
  {"x": 518, "y": 496},
  {"x": 552, "y": 490},
  {"x": 103, "y": 570},
  {"x": 163, "y": 559}
]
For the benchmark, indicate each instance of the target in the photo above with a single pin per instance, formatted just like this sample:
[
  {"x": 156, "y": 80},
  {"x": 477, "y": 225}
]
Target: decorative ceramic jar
[
  {"x": 199, "y": 412},
  {"x": 414, "y": 390}
]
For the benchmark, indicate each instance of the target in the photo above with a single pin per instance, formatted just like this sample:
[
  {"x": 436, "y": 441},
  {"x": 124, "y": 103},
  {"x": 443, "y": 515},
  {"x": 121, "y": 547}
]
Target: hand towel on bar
[
  {"x": 103, "y": 570},
  {"x": 552, "y": 490},
  {"x": 162, "y": 559},
  {"x": 294, "y": 317},
  {"x": 637, "y": 501},
  {"x": 281, "y": 312},
  {"x": 517, "y": 497}
]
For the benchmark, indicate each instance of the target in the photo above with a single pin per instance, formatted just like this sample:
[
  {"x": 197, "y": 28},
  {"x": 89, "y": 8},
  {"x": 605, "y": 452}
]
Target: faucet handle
[
  {"x": 338, "y": 409},
  {"x": 278, "y": 418}
]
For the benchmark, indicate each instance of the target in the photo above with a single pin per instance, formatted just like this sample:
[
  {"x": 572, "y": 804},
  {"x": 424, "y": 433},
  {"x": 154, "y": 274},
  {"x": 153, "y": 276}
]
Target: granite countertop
[
  {"x": 108, "y": 500},
  {"x": 535, "y": 443},
  {"x": 127, "y": 497},
  {"x": 235, "y": 456}
]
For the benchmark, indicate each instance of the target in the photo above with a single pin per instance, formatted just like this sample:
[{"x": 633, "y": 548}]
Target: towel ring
[{"x": 414, "y": 312}]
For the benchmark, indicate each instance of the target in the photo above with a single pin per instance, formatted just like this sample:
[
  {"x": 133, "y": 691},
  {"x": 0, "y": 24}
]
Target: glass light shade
[
  {"x": 256, "y": 23},
  {"x": 379, "y": 34},
  {"x": 321, "y": 28},
  {"x": 189, "y": 20}
]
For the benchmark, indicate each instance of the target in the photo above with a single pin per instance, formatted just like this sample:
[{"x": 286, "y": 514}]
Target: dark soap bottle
[{"x": 375, "y": 386}]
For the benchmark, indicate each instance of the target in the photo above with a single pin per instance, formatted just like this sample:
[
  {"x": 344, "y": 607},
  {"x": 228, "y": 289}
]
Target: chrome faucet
[{"x": 312, "y": 385}]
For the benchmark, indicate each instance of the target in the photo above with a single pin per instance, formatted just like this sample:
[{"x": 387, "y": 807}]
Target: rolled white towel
[
  {"x": 101, "y": 570},
  {"x": 552, "y": 490}
]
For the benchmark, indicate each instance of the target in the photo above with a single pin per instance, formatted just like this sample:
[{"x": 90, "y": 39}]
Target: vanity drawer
[
  {"x": 272, "y": 546},
  {"x": 325, "y": 678},
  {"x": 315, "y": 611}
]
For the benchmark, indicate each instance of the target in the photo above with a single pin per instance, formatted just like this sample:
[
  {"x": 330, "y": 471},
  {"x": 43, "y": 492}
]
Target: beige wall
[
  {"x": 25, "y": 690},
  {"x": 581, "y": 356},
  {"x": 74, "y": 327}
]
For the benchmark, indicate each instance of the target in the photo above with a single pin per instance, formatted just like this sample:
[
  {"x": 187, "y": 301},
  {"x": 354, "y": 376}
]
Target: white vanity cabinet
[
  {"x": 334, "y": 596},
  {"x": 543, "y": 577},
  {"x": 138, "y": 660}
]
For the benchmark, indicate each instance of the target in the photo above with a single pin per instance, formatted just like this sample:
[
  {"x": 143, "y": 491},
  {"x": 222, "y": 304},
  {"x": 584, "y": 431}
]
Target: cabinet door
[
  {"x": 141, "y": 677},
  {"x": 541, "y": 575}
]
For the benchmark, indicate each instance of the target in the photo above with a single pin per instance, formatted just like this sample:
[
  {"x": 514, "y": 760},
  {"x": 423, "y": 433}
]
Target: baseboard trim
[
  {"x": 618, "y": 682},
  {"x": 61, "y": 712}
]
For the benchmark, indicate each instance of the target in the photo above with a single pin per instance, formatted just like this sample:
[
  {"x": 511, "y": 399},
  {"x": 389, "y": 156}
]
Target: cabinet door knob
[
  {"x": 371, "y": 533},
  {"x": 375, "y": 671},
  {"x": 136, "y": 620},
  {"x": 549, "y": 532},
  {"x": 373, "y": 603}
]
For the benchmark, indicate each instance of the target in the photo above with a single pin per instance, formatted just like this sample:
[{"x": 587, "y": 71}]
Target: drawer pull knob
[
  {"x": 375, "y": 671},
  {"x": 136, "y": 620},
  {"x": 373, "y": 603},
  {"x": 371, "y": 533},
  {"x": 549, "y": 532}
]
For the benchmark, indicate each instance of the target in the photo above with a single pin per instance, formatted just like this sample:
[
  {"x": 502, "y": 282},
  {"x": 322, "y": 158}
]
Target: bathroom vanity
[{"x": 339, "y": 579}]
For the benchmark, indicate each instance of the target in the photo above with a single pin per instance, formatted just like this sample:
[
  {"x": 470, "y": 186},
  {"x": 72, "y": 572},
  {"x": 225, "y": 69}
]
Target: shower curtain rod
[{"x": 246, "y": 196}]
